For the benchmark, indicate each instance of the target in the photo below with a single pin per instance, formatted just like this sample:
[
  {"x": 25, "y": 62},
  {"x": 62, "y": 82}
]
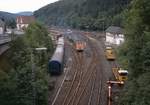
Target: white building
[
  {"x": 2, "y": 25},
  {"x": 24, "y": 21},
  {"x": 114, "y": 35}
]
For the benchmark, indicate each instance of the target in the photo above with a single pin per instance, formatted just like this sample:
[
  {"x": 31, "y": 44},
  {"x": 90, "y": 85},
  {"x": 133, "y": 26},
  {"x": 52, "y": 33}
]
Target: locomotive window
[{"x": 123, "y": 74}]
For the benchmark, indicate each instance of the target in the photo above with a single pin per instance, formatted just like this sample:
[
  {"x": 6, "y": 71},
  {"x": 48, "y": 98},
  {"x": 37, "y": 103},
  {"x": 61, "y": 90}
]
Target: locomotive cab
[
  {"x": 80, "y": 46},
  {"x": 120, "y": 74},
  {"x": 123, "y": 75}
]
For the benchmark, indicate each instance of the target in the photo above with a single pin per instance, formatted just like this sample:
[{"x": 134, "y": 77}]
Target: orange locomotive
[{"x": 80, "y": 46}]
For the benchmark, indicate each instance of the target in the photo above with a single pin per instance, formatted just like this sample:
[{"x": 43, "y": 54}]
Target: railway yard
[{"x": 85, "y": 76}]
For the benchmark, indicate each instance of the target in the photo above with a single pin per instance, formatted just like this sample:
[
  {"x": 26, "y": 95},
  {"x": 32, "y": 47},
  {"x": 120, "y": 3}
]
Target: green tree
[
  {"x": 136, "y": 52},
  {"x": 82, "y": 13},
  {"x": 17, "y": 85}
]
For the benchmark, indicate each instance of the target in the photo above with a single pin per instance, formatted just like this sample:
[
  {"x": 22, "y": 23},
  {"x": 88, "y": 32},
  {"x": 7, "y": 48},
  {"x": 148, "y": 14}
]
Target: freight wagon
[{"x": 109, "y": 53}]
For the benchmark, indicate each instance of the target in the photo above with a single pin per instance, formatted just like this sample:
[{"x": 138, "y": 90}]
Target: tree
[
  {"x": 137, "y": 53},
  {"x": 82, "y": 13},
  {"x": 17, "y": 85}
]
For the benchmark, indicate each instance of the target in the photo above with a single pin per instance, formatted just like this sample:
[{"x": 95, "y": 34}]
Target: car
[{"x": 69, "y": 31}]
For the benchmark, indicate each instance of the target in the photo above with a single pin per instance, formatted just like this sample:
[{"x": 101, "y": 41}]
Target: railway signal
[{"x": 110, "y": 84}]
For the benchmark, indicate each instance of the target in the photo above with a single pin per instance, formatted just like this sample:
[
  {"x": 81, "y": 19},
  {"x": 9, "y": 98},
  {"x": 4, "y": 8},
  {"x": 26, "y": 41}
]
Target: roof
[
  {"x": 108, "y": 47},
  {"x": 123, "y": 71},
  {"x": 114, "y": 29},
  {"x": 1, "y": 23},
  {"x": 25, "y": 19}
]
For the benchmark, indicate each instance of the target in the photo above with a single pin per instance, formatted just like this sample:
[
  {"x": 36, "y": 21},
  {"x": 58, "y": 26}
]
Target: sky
[{"x": 15, "y": 6}]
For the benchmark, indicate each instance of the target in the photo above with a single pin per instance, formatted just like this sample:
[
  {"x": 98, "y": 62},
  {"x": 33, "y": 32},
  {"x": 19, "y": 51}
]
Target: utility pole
[
  {"x": 110, "y": 83},
  {"x": 103, "y": 26},
  {"x": 33, "y": 78}
]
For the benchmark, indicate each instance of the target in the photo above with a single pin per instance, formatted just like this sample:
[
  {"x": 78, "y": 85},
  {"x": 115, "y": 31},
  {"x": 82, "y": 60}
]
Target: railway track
[
  {"x": 71, "y": 83},
  {"x": 99, "y": 79},
  {"x": 85, "y": 85},
  {"x": 86, "y": 88},
  {"x": 113, "y": 63},
  {"x": 101, "y": 74},
  {"x": 77, "y": 77},
  {"x": 53, "y": 95}
]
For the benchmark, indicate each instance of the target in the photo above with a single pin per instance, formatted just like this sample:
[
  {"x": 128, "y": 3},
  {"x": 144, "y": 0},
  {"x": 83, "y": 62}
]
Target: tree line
[
  {"x": 19, "y": 85},
  {"x": 135, "y": 54},
  {"x": 83, "y": 14}
]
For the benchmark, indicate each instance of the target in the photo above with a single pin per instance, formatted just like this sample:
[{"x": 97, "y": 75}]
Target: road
[
  {"x": 85, "y": 74},
  {"x": 6, "y": 38},
  {"x": 4, "y": 43}
]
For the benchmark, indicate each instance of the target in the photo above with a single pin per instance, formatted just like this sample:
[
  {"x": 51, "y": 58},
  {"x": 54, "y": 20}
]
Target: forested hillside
[
  {"x": 83, "y": 14},
  {"x": 25, "y": 13},
  {"x": 7, "y": 15},
  {"x": 9, "y": 18}
]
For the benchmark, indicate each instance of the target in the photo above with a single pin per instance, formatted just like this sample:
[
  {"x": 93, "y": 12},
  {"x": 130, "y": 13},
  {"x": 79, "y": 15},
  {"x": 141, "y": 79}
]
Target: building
[
  {"x": 2, "y": 25},
  {"x": 114, "y": 35},
  {"x": 24, "y": 21}
]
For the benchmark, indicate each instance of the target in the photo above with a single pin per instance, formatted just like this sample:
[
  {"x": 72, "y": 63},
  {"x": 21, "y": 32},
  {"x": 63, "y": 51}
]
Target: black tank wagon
[{"x": 56, "y": 62}]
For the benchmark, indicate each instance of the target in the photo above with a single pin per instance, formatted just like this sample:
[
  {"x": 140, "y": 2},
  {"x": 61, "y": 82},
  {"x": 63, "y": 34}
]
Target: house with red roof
[{"x": 24, "y": 21}]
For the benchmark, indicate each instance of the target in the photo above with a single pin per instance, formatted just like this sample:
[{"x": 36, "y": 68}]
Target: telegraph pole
[
  {"x": 110, "y": 83},
  {"x": 33, "y": 78},
  {"x": 34, "y": 72}
]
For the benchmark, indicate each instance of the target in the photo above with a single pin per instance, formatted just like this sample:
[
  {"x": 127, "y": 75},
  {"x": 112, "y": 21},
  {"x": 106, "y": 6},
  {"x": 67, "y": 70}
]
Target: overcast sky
[{"x": 15, "y": 6}]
